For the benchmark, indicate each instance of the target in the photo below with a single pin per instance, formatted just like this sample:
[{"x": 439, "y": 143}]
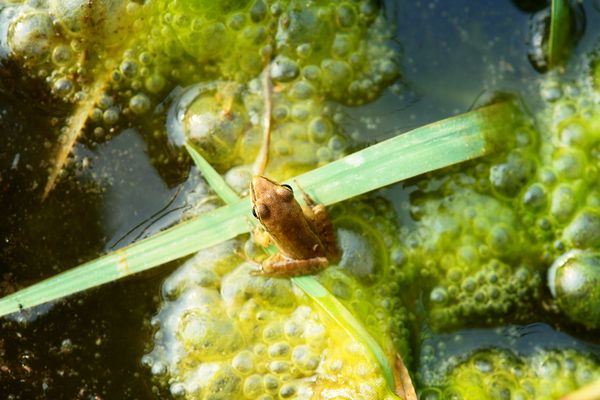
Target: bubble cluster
[
  {"x": 561, "y": 197},
  {"x": 222, "y": 331},
  {"x": 484, "y": 236},
  {"x": 136, "y": 53},
  {"x": 340, "y": 48},
  {"x": 565, "y": 207},
  {"x": 501, "y": 374},
  {"x": 84, "y": 52},
  {"x": 371, "y": 254},
  {"x": 224, "y": 120},
  {"x": 472, "y": 250}
]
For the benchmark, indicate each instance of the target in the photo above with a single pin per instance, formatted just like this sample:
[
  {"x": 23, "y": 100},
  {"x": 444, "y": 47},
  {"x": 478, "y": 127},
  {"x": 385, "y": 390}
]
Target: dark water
[{"x": 454, "y": 53}]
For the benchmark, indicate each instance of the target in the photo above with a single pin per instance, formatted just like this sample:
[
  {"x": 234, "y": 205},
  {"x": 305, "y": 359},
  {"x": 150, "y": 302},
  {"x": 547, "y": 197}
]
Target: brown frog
[{"x": 304, "y": 235}]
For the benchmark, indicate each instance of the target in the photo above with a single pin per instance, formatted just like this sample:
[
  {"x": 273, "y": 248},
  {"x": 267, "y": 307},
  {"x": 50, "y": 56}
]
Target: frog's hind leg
[
  {"x": 279, "y": 266},
  {"x": 321, "y": 223}
]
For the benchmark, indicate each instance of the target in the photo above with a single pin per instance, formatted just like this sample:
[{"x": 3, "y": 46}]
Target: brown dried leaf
[
  {"x": 404, "y": 386},
  {"x": 74, "y": 128},
  {"x": 590, "y": 391}
]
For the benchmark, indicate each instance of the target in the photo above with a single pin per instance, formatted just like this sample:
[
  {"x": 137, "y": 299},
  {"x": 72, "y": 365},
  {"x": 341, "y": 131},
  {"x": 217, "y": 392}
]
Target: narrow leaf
[
  {"x": 424, "y": 149},
  {"x": 404, "y": 386},
  {"x": 216, "y": 181},
  {"x": 560, "y": 29},
  {"x": 346, "y": 320},
  {"x": 311, "y": 287}
]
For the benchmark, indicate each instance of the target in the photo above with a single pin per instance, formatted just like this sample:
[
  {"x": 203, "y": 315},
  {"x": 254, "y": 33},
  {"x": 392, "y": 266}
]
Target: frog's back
[{"x": 298, "y": 241}]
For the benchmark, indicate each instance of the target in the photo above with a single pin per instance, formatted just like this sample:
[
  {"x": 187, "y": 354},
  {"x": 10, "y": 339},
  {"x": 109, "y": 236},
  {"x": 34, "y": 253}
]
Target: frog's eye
[
  {"x": 285, "y": 193},
  {"x": 261, "y": 211},
  {"x": 285, "y": 185}
]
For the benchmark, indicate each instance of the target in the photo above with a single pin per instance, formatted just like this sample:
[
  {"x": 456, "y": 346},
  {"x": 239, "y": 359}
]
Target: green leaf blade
[
  {"x": 424, "y": 149},
  {"x": 184, "y": 239},
  {"x": 560, "y": 30},
  {"x": 347, "y": 321},
  {"x": 216, "y": 182}
]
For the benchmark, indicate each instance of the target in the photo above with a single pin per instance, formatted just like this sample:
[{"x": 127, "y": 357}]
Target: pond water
[{"x": 90, "y": 345}]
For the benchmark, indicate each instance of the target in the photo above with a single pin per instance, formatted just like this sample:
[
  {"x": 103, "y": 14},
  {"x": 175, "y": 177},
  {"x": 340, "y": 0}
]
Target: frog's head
[{"x": 270, "y": 200}]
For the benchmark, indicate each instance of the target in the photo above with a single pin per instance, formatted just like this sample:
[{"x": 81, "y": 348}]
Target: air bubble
[
  {"x": 129, "y": 68},
  {"x": 287, "y": 391},
  {"x": 145, "y": 58},
  {"x": 243, "y": 362},
  {"x": 341, "y": 46},
  {"x": 439, "y": 296},
  {"x": 237, "y": 21},
  {"x": 345, "y": 16},
  {"x": 258, "y": 11},
  {"x": 469, "y": 285},
  {"x": 279, "y": 350},
  {"x": 62, "y": 87},
  {"x": 320, "y": 130},
  {"x": 155, "y": 83},
  {"x": 311, "y": 72},
  {"x": 304, "y": 50},
  {"x": 30, "y": 35},
  {"x": 111, "y": 116},
  {"x": 551, "y": 91},
  {"x": 302, "y": 90},
  {"x": 283, "y": 69},
  {"x": 61, "y": 54},
  {"x": 271, "y": 383},
  {"x": 253, "y": 386},
  {"x": 139, "y": 104}
]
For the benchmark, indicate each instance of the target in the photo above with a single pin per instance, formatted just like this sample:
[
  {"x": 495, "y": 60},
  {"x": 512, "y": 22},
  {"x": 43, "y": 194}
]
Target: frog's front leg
[
  {"x": 260, "y": 236},
  {"x": 280, "y": 266}
]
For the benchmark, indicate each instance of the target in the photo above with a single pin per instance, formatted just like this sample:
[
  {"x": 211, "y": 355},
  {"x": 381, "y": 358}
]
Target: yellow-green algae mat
[{"x": 424, "y": 149}]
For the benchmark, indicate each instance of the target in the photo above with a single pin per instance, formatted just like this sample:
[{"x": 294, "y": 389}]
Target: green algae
[
  {"x": 483, "y": 236},
  {"x": 276, "y": 336},
  {"x": 492, "y": 374}
]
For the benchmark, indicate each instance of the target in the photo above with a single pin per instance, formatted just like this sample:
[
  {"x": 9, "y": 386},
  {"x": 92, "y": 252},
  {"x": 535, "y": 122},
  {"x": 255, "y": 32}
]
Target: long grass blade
[
  {"x": 346, "y": 320},
  {"x": 308, "y": 284},
  {"x": 216, "y": 182},
  {"x": 560, "y": 29},
  {"x": 424, "y": 149}
]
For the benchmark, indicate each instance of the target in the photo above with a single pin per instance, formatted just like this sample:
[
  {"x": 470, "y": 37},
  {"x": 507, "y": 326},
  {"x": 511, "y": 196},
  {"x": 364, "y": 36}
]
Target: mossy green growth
[
  {"x": 368, "y": 234},
  {"x": 466, "y": 243},
  {"x": 223, "y": 120},
  {"x": 569, "y": 215},
  {"x": 481, "y": 239},
  {"x": 124, "y": 57},
  {"x": 339, "y": 47},
  {"x": 222, "y": 331},
  {"x": 501, "y": 374}
]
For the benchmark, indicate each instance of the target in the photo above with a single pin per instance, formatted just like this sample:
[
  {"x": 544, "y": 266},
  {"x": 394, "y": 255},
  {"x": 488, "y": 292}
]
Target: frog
[{"x": 304, "y": 236}]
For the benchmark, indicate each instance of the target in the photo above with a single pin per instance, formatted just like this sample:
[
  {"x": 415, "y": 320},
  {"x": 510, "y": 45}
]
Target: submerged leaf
[{"x": 74, "y": 128}]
